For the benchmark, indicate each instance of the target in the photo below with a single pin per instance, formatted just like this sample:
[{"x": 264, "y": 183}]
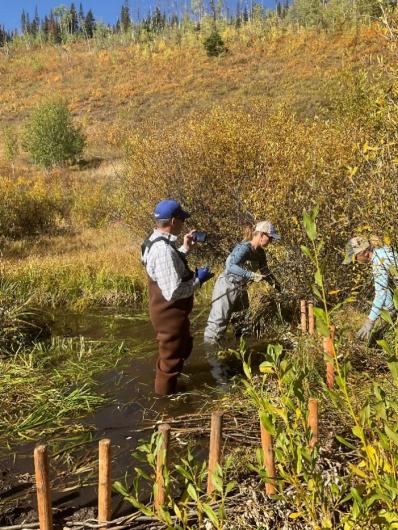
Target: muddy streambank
[{"x": 128, "y": 417}]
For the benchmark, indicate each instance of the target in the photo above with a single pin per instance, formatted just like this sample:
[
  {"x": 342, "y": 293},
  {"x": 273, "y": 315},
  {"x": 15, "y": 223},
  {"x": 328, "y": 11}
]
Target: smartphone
[{"x": 200, "y": 236}]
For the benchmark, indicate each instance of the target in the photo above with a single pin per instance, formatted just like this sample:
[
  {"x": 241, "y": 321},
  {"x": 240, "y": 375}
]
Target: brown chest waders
[{"x": 170, "y": 321}]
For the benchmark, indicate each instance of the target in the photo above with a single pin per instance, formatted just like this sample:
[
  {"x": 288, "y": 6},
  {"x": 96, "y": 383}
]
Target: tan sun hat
[
  {"x": 268, "y": 228},
  {"x": 355, "y": 246}
]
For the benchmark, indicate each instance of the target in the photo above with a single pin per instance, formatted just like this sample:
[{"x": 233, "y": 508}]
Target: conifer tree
[
  {"x": 27, "y": 23},
  {"x": 174, "y": 21},
  {"x": 35, "y": 26},
  {"x": 89, "y": 24},
  {"x": 23, "y": 22},
  {"x": 4, "y": 36},
  {"x": 45, "y": 27},
  {"x": 125, "y": 20},
  {"x": 158, "y": 20},
  {"x": 81, "y": 18},
  {"x": 73, "y": 20}
]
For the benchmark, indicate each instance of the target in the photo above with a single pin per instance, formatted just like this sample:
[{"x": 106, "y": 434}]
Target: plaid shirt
[{"x": 166, "y": 268}]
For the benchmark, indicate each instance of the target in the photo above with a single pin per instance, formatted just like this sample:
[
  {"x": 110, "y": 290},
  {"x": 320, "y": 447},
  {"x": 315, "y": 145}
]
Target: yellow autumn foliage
[{"x": 241, "y": 163}]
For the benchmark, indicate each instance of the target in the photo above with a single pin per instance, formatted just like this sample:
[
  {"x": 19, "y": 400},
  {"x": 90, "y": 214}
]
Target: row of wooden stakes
[
  {"x": 308, "y": 326},
  {"x": 307, "y": 318},
  {"x": 43, "y": 488}
]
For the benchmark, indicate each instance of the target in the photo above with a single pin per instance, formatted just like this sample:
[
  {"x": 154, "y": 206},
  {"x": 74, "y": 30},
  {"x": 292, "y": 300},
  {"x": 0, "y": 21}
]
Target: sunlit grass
[
  {"x": 96, "y": 267},
  {"x": 43, "y": 386}
]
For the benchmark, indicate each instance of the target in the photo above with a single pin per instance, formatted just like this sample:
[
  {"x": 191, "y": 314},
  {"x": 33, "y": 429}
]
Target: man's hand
[
  {"x": 366, "y": 330},
  {"x": 257, "y": 277},
  {"x": 189, "y": 241},
  {"x": 203, "y": 274}
]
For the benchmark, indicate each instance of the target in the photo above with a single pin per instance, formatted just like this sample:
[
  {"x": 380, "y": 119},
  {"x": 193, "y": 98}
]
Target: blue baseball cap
[{"x": 169, "y": 208}]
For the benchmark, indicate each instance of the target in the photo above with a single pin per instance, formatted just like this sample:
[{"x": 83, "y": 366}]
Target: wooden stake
[
  {"x": 160, "y": 491},
  {"x": 104, "y": 482},
  {"x": 268, "y": 452},
  {"x": 311, "y": 320},
  {"x": 215, "y": 448},
  {"x": 43, "y": 488},
  {"x": 303, "y": 313},
  {"x": 313, "y": 421},
  {"x": 328, "y": 348}
]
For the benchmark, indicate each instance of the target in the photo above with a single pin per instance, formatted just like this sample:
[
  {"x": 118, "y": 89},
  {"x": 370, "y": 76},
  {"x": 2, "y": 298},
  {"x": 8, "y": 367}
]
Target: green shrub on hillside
[
  {"x": 214, "y": 45},
  {"x": 50, "y": 136}
]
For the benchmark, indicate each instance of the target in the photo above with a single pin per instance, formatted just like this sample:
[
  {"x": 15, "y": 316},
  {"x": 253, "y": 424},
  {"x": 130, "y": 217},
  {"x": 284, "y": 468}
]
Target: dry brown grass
[
  {"x": 111, "y": 89},
  {"x": 93, "y": 267}
]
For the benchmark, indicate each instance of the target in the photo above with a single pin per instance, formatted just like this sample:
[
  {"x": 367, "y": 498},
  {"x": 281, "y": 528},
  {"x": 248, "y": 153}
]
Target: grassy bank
[{"x": 94, "y": 267}]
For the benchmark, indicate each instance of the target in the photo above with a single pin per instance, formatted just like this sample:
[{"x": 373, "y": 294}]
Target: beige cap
[
  {"x": 268, "y": 228},
  {"x": 355, "y": 246}
]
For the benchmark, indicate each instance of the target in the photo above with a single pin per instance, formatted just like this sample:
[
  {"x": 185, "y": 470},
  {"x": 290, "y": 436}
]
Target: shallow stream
[{"x": 130, "y": 415}]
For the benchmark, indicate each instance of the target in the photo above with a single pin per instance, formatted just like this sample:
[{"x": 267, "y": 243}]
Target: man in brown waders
[{"x": 171, "y": 286}]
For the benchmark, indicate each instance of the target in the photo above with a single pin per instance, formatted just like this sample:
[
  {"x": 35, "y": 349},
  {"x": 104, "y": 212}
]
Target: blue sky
[{"x": 104, "y": 10}]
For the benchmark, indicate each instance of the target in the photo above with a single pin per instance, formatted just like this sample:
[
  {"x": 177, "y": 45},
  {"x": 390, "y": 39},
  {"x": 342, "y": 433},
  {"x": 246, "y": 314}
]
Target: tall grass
[
  {"x": 95, "y": 267},
  {"x": 45, "y": 386}
]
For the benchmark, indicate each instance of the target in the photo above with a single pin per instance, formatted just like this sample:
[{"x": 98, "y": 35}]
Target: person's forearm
[
  {"x": 379, "y": 302},
  {"x": 238, "y": 271}
]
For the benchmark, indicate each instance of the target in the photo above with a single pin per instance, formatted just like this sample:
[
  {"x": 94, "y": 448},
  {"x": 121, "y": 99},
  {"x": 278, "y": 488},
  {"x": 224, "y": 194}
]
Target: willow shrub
[
  {"x": 30, "y": 206},
  {"x": 237, "y": 164},
  {"x": 50, "y": 136}
]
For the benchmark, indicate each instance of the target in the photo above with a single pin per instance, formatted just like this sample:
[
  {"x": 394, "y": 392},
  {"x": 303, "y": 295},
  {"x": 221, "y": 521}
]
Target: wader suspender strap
[{"x": 147, "y": 244}]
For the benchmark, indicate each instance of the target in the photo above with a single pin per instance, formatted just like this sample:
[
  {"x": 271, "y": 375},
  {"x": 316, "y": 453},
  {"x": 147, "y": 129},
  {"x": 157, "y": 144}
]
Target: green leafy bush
[{"x": 50, "y": 136}]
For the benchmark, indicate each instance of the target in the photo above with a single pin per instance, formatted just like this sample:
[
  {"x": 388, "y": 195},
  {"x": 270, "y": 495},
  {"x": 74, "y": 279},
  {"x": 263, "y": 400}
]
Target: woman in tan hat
[{"x": 384, "y": 261}]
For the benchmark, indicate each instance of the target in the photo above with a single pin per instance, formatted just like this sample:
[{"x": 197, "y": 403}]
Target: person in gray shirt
[{"x": 246, "y": 263}]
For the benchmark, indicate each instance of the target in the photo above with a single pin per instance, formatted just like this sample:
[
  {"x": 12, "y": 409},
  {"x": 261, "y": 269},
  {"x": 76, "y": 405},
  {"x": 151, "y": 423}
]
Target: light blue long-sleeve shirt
[{"x": 384, "y": 263}]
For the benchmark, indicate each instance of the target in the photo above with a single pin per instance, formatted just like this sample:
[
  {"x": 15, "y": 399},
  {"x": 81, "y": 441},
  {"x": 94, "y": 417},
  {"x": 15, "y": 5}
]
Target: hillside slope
[{"x": 109, "y": 89}]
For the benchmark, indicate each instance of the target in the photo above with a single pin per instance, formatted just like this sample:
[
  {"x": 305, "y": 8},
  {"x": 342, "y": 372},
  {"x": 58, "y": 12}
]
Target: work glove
[
  {"x": 366, "y": 330},
  {"x": 256, "y": 277},
  {"x": 203, "y": 274}
]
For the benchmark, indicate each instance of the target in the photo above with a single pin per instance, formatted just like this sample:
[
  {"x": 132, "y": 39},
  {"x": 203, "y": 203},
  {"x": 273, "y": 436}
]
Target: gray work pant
[{"x": 228, "y": 297}]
